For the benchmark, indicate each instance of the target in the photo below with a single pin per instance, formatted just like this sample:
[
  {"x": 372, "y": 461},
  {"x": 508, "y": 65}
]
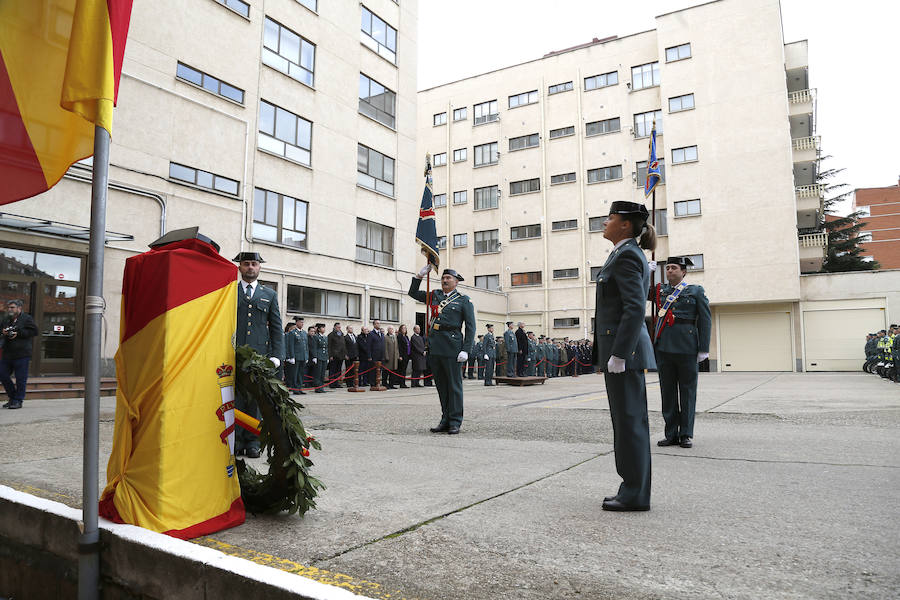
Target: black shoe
[
  {"x": 608, "y": 498},
  {"x": 687, "y": 442},
  {"x": 667, "y": 442},
  {"x": 301, "y": 392},
  {"x": 321, "y": 391},
  {"x": 439, "y": 429},
  {"x": 390, "y": 387},
  {"x": 253, "y": 453},
  {"x": 403, "y": 387},
  {"x": 7, "y": 404},
  {"x": 13, "y": 405},
  {"x": 616, "y": 505},
  {"x": 453, "y": 430}
]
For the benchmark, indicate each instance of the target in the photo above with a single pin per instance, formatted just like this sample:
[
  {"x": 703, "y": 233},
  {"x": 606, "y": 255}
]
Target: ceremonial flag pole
[
  {"x": 653, "y": 177},
  {"x": 426, "y": 236}
]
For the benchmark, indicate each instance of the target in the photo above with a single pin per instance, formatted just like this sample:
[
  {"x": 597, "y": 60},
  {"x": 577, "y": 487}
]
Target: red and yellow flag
[
  {"x": 60, "y": 62},
  {"x": 172, "y": 467}
]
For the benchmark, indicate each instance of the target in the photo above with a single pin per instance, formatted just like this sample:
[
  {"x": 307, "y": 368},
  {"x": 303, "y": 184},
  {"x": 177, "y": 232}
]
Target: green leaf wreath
[{"x": 287, "y": 486}]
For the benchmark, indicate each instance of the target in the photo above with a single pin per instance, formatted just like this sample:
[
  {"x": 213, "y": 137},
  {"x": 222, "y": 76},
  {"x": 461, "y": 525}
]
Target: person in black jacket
[
  {"x": 417, "y": 345},
  {"x": 404, "y": 348},
  {"x": 16, "y": 333},
  {"x": 362, "y": 346},
  {"x": 522, "y": 344}
]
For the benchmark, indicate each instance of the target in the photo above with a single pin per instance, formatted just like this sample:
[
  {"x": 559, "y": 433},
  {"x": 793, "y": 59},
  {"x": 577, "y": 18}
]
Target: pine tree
[{"x": 843, "y": 251}]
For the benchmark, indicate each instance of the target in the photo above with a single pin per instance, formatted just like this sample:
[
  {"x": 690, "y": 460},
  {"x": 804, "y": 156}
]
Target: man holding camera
[{"x": 17, "y": 330}]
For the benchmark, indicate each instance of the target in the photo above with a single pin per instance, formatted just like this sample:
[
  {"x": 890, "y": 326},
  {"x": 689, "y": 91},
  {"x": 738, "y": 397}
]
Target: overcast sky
[{"x": 852, "y": 59}]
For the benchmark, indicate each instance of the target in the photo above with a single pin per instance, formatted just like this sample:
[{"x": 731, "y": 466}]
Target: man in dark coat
[
  {"x": 352, "y": 351},
  {"x": 337, "y": 354},
  {"x": 362, "y": 346},
  {"x": 522, "y": 348},
  {"x": 17, "y": 331},
  {"x": 417, "y": 342}
]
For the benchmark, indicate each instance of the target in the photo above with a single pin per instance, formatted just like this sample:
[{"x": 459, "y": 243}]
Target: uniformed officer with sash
[
  {"x": 512, "y": 349},
  {"x": 489, "y": 347},
  {"x": 447, "y": 345},
  {"x": 258, "y": 326},
  {"x": 683, "y": 326}
]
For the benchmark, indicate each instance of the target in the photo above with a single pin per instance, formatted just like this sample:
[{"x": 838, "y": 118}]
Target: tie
[{"x": 248, "y": 291}]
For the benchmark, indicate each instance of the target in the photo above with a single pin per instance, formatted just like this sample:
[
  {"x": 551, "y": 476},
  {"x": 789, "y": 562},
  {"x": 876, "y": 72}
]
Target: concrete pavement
[{"x": 789, "y": 492}]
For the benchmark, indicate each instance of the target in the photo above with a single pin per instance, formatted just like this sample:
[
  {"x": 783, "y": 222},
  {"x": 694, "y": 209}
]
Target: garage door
[
  {"x": 756, "y": 341},
  {"x": 835, "y": 339}
]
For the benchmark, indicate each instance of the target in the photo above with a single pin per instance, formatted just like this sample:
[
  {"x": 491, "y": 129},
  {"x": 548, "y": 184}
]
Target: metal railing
[
  {"x": 816, "y": 190},
  {"x": 807, "y": 143}
]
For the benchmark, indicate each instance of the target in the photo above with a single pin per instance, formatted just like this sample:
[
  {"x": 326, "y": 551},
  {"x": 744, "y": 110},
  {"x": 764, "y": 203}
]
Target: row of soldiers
[
  {"x": 544, "y": 357},
  {"x": 883, "y": 353}
]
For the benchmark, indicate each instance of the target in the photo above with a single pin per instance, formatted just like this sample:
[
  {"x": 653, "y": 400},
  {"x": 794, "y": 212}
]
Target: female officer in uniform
[{"x": 622, "y": 349}]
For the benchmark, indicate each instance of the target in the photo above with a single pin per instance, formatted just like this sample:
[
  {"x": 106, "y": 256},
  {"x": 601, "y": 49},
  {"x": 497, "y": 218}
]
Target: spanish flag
[
  {"x": 172, "y": 466},
  {"x": 60, "y": 62}
]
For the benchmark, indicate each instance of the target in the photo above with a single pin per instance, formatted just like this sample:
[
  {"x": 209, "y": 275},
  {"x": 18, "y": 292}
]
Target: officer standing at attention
[
  {"x": 623, "y": 350},
  {"x": 479, "y": 356},
  {"x": 318, "y": 351},
  {"x": 489, "y": 347},
  {"x": 683, "y": 325},
  {"x": 447, "y": 347},
  {"x": 531, "y": 355},
  {"x": 301, "y": 355},
  {"x": 512, "y": 349},
  {"x": 261, "y": 330}
]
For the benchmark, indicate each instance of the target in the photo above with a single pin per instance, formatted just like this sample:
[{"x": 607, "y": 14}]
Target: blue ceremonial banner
[
  {"x": 653, "y": 174},
  {"x": 426, "y": 231}
]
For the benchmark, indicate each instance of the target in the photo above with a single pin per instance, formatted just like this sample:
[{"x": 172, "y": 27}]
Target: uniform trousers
[
  {"x": 290, "y": 375},
  {"x": 489, "y": 366},
  {"x": 678, "y": 387},
  {"x": 627, "y": 393},
  {"x": 243, "y": 439},
  {"x": 448, "y": 381}
]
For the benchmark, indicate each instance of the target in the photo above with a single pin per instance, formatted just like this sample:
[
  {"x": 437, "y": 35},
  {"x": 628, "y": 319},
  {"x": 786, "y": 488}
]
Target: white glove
[
  {"x": 486, "y": 357},
  {"x": 462, "y": 356},
  {"x": 315, "y": 360},
  {"x": 275, "y": 361},
  {"x": 652, "y": 265},
  {"x": 290, "y": 361},
  {"x": 424, "y": 271},
  {"x": 702, "y": 356},
  {"x": 615, "y": 365}
]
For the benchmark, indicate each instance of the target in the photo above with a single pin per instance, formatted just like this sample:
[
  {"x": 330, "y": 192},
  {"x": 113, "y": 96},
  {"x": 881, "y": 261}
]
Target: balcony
[
  {"x": 806, "y": 149},
  {"x": 809, "y": 204},
  {"x": 812, "y": 251},
  {"x": 801, "y": 102}
]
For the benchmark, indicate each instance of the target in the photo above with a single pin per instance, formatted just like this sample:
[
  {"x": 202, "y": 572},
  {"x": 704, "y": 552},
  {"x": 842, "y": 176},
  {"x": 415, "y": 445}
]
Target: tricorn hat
[
  {"x": 622, "y": 207},
  {"x": 508, "y": 323},
  {"x": 489, "y": 325},
  {"x": 681, "y": 261},
  {"x": 453, "y": 273},
  {"x": 242, "y": 256},
  {"x": 320, "y": 325},
  {"x": 183, "y": 234}
]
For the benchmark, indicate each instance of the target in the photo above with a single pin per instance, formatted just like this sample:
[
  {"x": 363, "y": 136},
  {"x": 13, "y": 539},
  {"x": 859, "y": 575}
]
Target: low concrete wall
[{"x": 39, "y": 559}]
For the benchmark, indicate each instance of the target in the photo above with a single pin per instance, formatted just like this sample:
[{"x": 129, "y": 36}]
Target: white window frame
[
  {"x": 460, "y": 155},
  {"x": 384, "y": 48},
  {"x": 647, "y": 76},
  {"x": 685, "y": 154},
  {"x": 439, "y": 159}
]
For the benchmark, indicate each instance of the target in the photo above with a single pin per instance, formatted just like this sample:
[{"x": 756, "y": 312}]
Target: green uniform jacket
[
  {"x": 301, "y": 345},
  {"x": 479, "y": 350},
  {"x": 259, "y": 322},
  {"x": 509, "y": 339},
  {"x": 448, "y": 340},
  {"x": 686, "y": 338},
  {"x": 532, "y": 350},
  {"x": 318, "y": 347},
  {"x": 490, "y": 346}
]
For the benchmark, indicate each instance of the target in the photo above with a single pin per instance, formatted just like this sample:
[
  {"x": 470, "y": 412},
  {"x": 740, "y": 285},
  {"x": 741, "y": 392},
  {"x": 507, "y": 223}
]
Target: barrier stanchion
[
  {"x": 377, "y": 387},
  {"x": 355, "y": 387}
]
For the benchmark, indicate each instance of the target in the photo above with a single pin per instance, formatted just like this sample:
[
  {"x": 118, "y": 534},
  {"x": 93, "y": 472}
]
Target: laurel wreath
[{"x": 288, "y": 485}]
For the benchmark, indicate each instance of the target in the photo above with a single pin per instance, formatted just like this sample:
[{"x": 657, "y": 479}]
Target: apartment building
[
  {"x": 881, "y": 213},
  {"x": 286, "y": 127}
]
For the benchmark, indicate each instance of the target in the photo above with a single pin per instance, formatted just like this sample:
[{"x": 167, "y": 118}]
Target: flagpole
[
  {"x": 89, "y": 541},
  {"x": 653, "y": 251}
]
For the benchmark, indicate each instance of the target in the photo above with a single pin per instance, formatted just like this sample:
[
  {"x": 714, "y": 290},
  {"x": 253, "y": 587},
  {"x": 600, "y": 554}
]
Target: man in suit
[
  {"x": 318, "y": 349},
  {"x": 352, "y": 351},
  {"x": 682, "y": 333},
  {"x": 622, "y": 348},
  {"x": 447, "y": 346},
  {"x": 362, "y": 346},
  {"x": 337, "y": 354},
  {"x": 418, "y": 356},
  {"x": 258, "y": 326},
  {"x": 391, "y": 359},
  {"x": 489, "y": 347},
  {"x": 311, "y": 366},
  {"x": 301, "y": 356},
  {"x": 17, "y": 333},
  {"x": 521, "y": 349},
  {"x": 375, "y": 342}
]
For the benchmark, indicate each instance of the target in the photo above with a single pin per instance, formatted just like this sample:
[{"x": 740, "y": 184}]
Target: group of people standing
[
  {"x": 528, "y": 356},
  {"x": 883, "y": 353}
]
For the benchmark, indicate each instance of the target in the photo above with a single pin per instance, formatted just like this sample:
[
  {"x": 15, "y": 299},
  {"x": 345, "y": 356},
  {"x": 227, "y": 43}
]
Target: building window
[
  {"x": 563, "y": 178},
  {"x": 313, "y": 301},
  {"x": 643, "y": 123},
  {"x": 562, "y": 132},
  {"x": 641, "y": 175},
  {"x": 662, "y": 222},
  {"x": 565, "y": 273},
  {"x": 526, "y": 186},
  {"x": 209, "y": 83},
  {"x": 487, "y": 282},
  {"x": 697, "y": 259},
  {"x": 384, "y": 309},
  {"x": 204, "y": 179},
  {"x": 595, "y": 272},
  {"x": 312, "y": 5},
  {"x": 288, "y": 52},
  {"x": 440, "y": 119},
  {"x": 523, "y": 99},
  {"x": 524, "y": 141},
  {"x": 460, "y": 114},
  {"x": 487, "y": 242},
  {"x": 601, "y": 127},
  {"x": 687, "y": 208},
  {"x": 596, "y": 224},
  {"x": 522, "y": 279},
  {"x": 439, "y": 160},
  {"x": 459, "y": 155},
  {"x": 604, "y": 174},
  {"x": 566, "y": 322},
  {"x": 682, "y": 155},
  {"x": 238, "y": 6},
  {"x": 487, "y": 197},
  {"x": 279, "y": 218},
  {"x": 375, "y": 171},
  {"x": 284, "y": 133},
  {"x": 525, "y": 232},
  {"x": 486, "y": 112},
  {"x": 439, "y": 200},
  {"x": 374, "y": 243},
  {"x": 377, "y": 101},
  {"x": 559, "y": 87},
  {"x": 600, "y": 81},
  {"x": 486, "y": 154},
  {"x": 460, "y": 240},
  {"x": 378, "y": 35},
  {"x": 442, "y": 242},
  {"x": 644, "y": 76},
  {"x": 461, "y": 197},
  {"x": 679, "y": 103},
  {"x": 678, "y": 52},
  {"x": 564, "y": 225}
]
